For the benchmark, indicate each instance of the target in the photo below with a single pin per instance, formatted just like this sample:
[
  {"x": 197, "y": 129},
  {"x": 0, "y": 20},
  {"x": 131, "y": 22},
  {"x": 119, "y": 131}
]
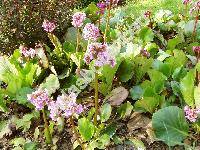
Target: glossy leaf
[
  {"x": 187, "y": 87},
  {"x": 105, "y": 110},
  {"x": 197, "y": 96},
  {"x": 136, "y": 92},
  {"x": 125, "y": 110},
  {"x": 170, "y": 125},
  {"x": 51, "y": 84}
]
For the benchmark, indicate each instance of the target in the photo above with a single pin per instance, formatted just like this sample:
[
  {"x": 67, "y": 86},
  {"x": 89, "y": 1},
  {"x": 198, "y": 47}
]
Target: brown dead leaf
[
  {"x": 137, "y": 121},
  {"x": 117, "y": 96},
  {"x": 151, "y": 135}
]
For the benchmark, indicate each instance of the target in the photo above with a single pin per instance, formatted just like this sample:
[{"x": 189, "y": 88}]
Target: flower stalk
[
  {"x": 75, "y": 132},
  {"x": 77, "y": 40},
  {"x": 96, "y": 98},
  {"x": 47, "y": 131},
  {"x": 195, "y": 26},
  {"x": 107, "y": 21}
]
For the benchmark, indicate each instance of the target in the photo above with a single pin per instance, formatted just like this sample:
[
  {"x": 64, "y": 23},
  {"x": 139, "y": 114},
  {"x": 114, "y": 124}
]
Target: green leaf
[
  {"x": 69, "y": 47},
  {"x": 126, "y": 70},
  {"x": 25, "y": 122},
  {"x": 141, "y": 67},
  {"x": 178, "y": 59},
  {"x": 146, "y": 34},
  {"x": 71, "y": 35},
  {"x": 41, "y": 54},
  {"x": 125, "y": 110},
  {"x": 105, "y": 110},
  {"x": 156, "y": 76},
  {"x": 136, "y": 92},
  {"x": 110, "y": 130},
  {"x": 4, "y": 128},
  {"x": 7, "y": 70},
  {"x": 138, "y": 144},
  {"x": 189, "y": 26},
  {"x": 36, "y": 133},
  {"x": 18, "y": 141},
  {"x": 51, "y": 84},
  {"x": 3, "y": 106},
  {"x": 173, "y": 42},
  {"x": 56, "y": 43},
  {"x": 197, "y": 96},
  {"x": 170, "y": 125},
  {"x": 30, "y": 146},
  {"x": 176, "y": 88},
  {"x": 91, "y": 113},
  {"x": 108, "y": 74},
  {"x": 162, "y": 55},
  {"x": 162, "y": 67},
  {"x": 187, "y": 87},
  {"x": 14, "y": 86},
  {"x": 179, "y": 73},
  {"x": 147, "y": 104},
  {"x": 103, "y": 141},
  {"x": 21, "y": 95},
  {"x": 86, "y": 128}
]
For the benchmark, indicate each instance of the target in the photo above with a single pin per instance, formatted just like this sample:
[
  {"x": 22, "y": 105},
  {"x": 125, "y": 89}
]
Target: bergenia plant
[
  {"x": 147, "y": 15},
  {"x": 40, "y": 99},
  {"x": 98, "y": 52},
  {"x": 102, "y": 7},
  {"x": 77, "y": 21},
  {"x": 109, "y": 4},
  {"x": 65, "y": 106},
  {"x": 195, "y": 10},
  {"x": 27, "y": 53},
  {"x": 186, "y": 3},
  {"x": 48, "y": 26}
]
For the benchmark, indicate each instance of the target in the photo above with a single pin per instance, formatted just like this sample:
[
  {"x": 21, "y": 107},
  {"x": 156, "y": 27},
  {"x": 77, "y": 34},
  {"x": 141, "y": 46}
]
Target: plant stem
[
  {"x": 96, "y": 98},
  {"x": 77, "y": 40},
  {"x": 47, "y": 134},
  {"x": 186, "y": 11},
  {"x": 99, "y": 20},
  {"x": 75, "y": 132},
  {"x": 107, "y": 22},
  {"x": 195, "y": 25},
  {"x": 197, "y": 73}
]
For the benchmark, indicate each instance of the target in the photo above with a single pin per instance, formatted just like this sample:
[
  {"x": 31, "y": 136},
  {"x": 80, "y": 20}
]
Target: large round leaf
[{"x": 170, "y": 125}]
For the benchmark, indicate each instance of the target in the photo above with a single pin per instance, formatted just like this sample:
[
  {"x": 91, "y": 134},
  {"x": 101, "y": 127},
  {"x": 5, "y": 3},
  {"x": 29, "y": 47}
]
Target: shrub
[{"x": 21, "y": 21}]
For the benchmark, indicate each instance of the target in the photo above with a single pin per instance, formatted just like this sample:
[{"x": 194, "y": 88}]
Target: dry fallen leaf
[
  {"x": 117, "y": 96},
  {"x": 137, "y": 121}
]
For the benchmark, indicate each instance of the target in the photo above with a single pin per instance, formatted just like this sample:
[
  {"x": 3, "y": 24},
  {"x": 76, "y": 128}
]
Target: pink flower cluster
[
  {"x": 102, "y": 7},
  {"x": 147, "y": 14},
  {"x": 191, "y": 114},
  {"x": 48, "y": 26},
  {"x": 113, "y": 2},
  {"x": 186, "y": 2},
  {"x": 27, "y": 52},
  {"x": 196, "y": 49},
  {"x": 65, "y": 106},
  {"x": 39, "y": 98},
  {"x": 99, "y": 53},
  {"x": 77, "y": 19},
  {"x": 145, "y": 53},
  {"x": 195, "y": 7},
  {"x": 90, "y": 32}
]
